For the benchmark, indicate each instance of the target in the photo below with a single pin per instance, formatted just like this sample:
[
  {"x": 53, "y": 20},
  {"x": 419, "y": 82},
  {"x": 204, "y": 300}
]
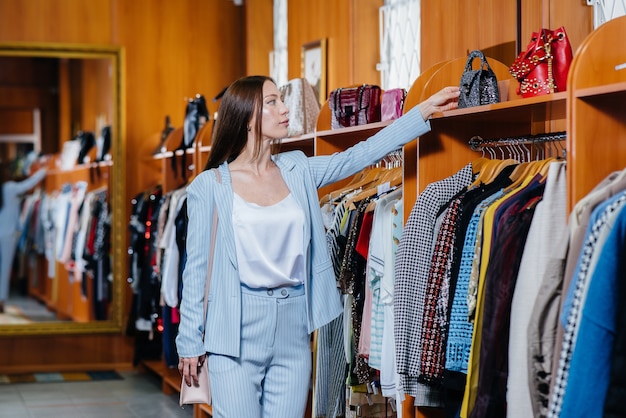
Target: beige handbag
[
  {"x": 301, "y": 99},
  {"x": 201, "y": 393}
]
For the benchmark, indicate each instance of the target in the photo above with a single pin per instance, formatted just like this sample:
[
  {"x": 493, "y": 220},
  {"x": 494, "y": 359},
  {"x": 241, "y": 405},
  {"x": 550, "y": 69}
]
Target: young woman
[
  {"x": 272, "y": 282},
  {"x": 10, "y": 200}
]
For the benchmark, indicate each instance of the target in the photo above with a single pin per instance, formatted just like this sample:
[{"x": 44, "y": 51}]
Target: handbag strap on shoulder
[{"x": 207, "y": 283}]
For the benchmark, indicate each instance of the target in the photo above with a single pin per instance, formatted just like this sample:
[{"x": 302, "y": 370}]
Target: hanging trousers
[{"x": 272, "y": 375}]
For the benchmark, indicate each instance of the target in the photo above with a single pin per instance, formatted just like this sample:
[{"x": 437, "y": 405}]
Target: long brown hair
[{"x": 242, "y": 98}]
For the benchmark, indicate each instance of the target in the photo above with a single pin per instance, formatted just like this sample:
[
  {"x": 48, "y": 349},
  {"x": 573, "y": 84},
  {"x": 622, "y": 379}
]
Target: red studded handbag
[{"x": 542, "y": 68}]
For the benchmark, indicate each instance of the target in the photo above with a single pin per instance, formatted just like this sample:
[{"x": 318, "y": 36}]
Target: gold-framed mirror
[{"x": 83, "y": 87}]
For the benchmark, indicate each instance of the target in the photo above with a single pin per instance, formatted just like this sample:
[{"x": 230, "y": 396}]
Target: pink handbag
[{"x": 391, "y": 104}]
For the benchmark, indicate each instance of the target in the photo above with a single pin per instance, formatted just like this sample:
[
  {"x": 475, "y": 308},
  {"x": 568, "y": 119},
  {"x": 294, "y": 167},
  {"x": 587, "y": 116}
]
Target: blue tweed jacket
[{"x": 303, "y": 175}]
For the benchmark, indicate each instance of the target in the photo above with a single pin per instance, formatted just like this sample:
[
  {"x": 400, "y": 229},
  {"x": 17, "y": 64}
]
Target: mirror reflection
[{"x": 59, "y": 142}]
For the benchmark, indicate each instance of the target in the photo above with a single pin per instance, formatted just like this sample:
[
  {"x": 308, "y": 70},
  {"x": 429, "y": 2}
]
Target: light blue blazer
[{"x": 303, "y": 175}]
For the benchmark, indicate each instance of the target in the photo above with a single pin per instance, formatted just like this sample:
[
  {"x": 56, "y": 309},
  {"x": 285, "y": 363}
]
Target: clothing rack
[
  {"x": 521, "y": 148},
  {"x": 393, "y": 159}
]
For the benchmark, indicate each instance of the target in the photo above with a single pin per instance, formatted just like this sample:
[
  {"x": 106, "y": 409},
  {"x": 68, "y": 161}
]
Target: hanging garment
[
  {"x": 443, "y": 276},
  {"x": 614, "y": 406},
  {"x": 76, "y": 200},
  {"x": 433, "y": 323},
  {"x": 511, "y": 225},
  {"x": 476, "y": 292},
  {"x": 590, "y": 363},
  {"x": 171, "y": 256},
  {"x": 389, "y": 377},
  {"x": 545, "y": 333},
  {"x": 353, "y": 275},
  {"x": 549, "y": 222},
  {"x": 381, "y": 253},
  {"x": 411, "y": 268},
  {"x": 575, "y": 298},
  {"x": 331, "y": 364}
]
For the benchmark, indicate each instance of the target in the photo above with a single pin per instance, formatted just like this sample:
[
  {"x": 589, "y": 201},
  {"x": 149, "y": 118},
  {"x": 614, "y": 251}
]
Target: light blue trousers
[
  {"x": 8, "y": 246},
  {"x": 272, "y": 376}
]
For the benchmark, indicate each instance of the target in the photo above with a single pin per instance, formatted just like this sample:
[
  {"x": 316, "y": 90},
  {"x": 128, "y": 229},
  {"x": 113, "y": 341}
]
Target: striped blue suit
[{"x": 303, "y": 176}]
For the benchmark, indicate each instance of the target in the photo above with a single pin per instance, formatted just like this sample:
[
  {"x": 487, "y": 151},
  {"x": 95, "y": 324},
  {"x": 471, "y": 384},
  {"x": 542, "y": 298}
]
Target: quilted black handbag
[{"x": 478, "y": 87}]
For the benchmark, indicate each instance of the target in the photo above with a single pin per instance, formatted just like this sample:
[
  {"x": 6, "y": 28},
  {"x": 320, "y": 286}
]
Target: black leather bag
[
  {"x": 103, "y": 143},
  {"x": 478, "y": 87},
  {"x": 165, "y": 132},
  {"x": 87, "y": 142},
  {"x": 196, "y": 115}
]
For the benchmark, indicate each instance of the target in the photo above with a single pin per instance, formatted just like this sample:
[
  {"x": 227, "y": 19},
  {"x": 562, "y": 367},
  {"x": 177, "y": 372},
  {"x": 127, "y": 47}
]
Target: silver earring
[{"x": 249, "y": 129}]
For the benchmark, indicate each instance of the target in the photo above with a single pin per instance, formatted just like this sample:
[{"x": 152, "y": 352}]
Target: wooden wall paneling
[
  {"x": 64, "y": 106},
  {"x": 575, "y": 16},
  {"x": 365, "y": 40},
  {"x": 259, "y": 28},
  {"x": 450, "y": 29},
  {"x": 96, "y": 98},
  {"x": 309, "y": 21},
  {"x": 533, "y": 16},
  {"x": 196, "y": 46},
  {"x": 351, "y": 28},
  {"x": 67, "y": 21},
  {"x": 21, "y": 88}
]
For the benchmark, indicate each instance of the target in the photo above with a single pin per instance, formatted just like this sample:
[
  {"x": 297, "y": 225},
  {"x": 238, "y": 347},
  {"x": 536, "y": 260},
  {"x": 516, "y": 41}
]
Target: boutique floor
[{"x": 136, "y": 395}]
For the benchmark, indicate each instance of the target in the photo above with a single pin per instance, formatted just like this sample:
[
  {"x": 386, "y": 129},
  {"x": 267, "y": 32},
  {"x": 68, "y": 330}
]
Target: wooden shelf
[
  {"x": 170, "y": 154},
  {"x": 170, "y": 378},
  {"x": 614, "y": 88},
  {"x": 300, "y": 138},
  {"x": 202, "y": 411},
  {"x": 516, "y": 104},
  {"x": 360, "y": 131},
  {"x": 515, "y": 117}
]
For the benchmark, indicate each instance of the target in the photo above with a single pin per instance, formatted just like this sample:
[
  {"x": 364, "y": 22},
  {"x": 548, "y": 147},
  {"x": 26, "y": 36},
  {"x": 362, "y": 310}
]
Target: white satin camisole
[{"x": 269, "y": 242}]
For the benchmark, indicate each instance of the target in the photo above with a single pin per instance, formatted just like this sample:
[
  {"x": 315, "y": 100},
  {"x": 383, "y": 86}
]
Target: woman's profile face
[{"x": 274, "y": 122}]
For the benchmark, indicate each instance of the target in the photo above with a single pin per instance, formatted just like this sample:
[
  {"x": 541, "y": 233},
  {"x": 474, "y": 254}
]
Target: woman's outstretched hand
[{"x": 445, "y": 99}]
